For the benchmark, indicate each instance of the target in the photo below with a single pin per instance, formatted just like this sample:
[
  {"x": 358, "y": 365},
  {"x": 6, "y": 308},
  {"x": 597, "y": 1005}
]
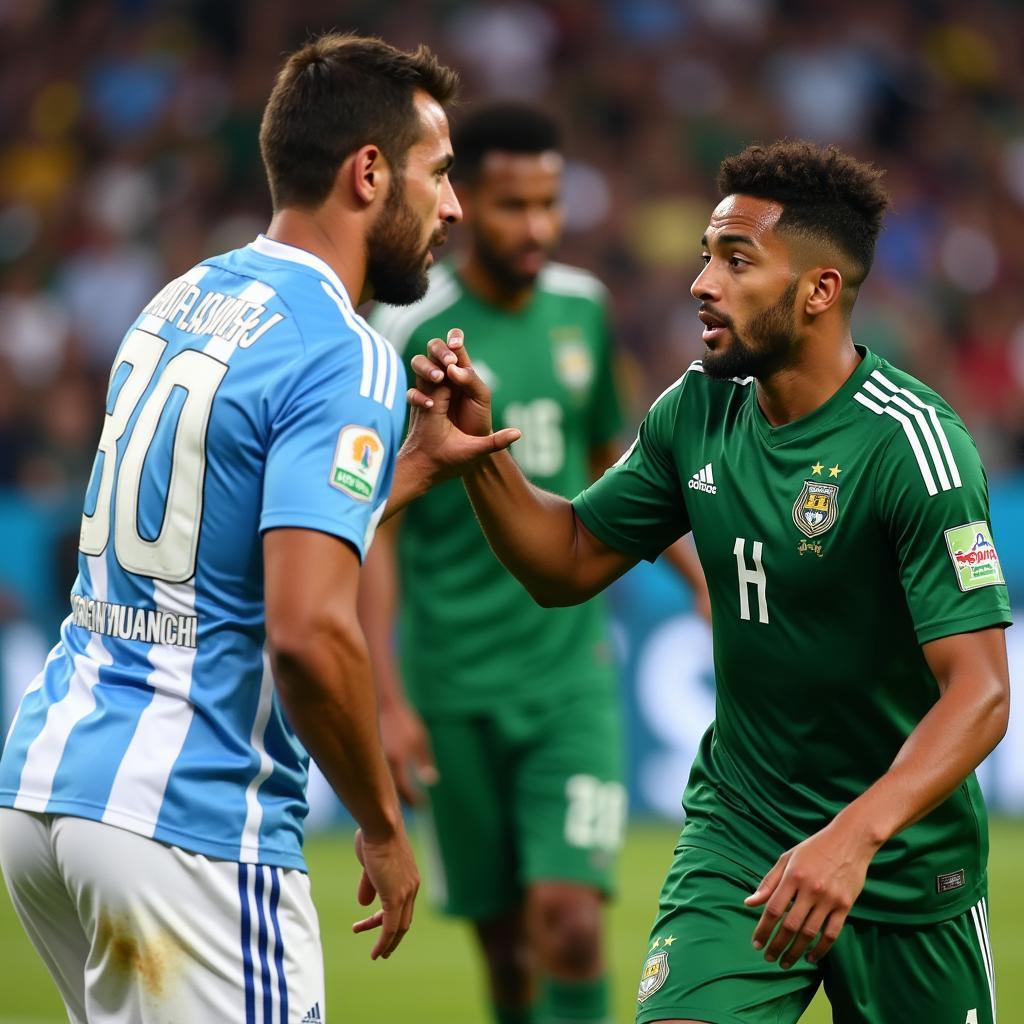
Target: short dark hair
[
  {"x": 336, "y": 94},
  {"x": 824, "y": 192},
  {"x": 502, "y": 127}
]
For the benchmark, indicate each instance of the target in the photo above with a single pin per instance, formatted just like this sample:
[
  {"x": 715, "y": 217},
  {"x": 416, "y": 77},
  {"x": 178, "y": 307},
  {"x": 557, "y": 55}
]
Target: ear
[
  {"x": 826, "y": 285},
  {"x": 369, "y": 174}
]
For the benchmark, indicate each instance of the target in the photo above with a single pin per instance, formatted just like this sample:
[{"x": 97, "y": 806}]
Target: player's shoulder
[
  {"x": 399, "y": 323},
  {"x": 914, "y": 426},
  {"x": 894, "y": 397},
  {"x": 694, "y": 387},
  {"x": 318, "y": 301},
  {"x": 699, "y": 386},
  {"x": 329, "y": 340},
  {"x": 567, "y": 281}
]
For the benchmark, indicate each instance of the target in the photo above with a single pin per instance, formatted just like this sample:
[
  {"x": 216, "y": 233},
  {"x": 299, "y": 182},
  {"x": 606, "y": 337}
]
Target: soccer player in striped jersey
[
  {"x": 520, "y": 712},
  {"x": 153, "y": 783},
  {"x": 835, "y": 831}
]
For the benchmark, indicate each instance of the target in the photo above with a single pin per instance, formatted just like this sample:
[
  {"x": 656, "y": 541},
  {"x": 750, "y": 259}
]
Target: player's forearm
[
  {"x": 532, "y": 532},
  {"x": 956, "y": 735},
  {"x": 414, "y": 475},
  {"x": 326, "y": 688}
]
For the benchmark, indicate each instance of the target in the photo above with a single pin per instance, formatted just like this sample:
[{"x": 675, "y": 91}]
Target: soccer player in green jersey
[
  {"x": 516, "y": 724},
  {"x": 835, "y": 831}
]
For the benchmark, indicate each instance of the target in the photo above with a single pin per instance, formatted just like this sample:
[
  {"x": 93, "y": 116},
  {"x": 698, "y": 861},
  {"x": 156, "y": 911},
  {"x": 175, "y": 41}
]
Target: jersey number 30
[{"x": 195, "y": 376}]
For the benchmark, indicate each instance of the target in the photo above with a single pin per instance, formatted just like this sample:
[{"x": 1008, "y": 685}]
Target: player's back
[{"x": 155, "y": 712}]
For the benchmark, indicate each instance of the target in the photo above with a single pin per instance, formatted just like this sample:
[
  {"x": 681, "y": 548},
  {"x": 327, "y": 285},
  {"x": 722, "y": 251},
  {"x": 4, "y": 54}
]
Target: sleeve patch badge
[
  {"x": 653, "y": 976},
  {"x": 974, "y": 556},
  {"x": 358, "y": 459}
]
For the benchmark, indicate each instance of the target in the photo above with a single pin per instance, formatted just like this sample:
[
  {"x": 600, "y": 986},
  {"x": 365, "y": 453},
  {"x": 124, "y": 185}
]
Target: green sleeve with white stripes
[{"x": 936, "y": 512}]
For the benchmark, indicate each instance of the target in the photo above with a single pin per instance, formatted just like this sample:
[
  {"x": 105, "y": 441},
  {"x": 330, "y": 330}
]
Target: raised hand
[
  {"x": 469, "y": 399},
  {"x": 450, "y": 426}
]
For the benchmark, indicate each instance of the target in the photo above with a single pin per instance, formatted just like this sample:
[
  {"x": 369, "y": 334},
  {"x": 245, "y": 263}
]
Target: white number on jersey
[
  {"x": 170, "y": 556},
  {"x": 541, "y": 449},
  {"x": 972, "y": 1017},
  {"x": 597, "y": 813},
  {"x": 753, "y": 576}
]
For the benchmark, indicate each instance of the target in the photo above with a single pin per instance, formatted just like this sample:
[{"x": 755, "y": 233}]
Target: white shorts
[{"x": 133, "y": 930}]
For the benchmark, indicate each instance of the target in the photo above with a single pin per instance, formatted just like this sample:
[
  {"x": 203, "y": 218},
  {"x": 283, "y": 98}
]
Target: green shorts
[
  {"x": 527, "y": 793},
  {"x": 701, "y": 965}
]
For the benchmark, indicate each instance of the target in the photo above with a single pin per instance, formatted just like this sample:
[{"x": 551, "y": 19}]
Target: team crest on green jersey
[
  {"x": 974, "y": 555},
  {"x": 816, "y": 508},
  {"x": 653, "y": 976},
  {"x": 573, "y": 362}
]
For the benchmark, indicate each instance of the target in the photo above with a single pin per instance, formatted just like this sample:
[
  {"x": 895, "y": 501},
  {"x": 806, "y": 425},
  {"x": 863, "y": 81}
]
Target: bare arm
[
  {"x": 322, "y": 671},
  {"x": 538, "y": 537},
  {"x": 956, "y": 735},
  {"x": 822, "y": 876},
  {"x": 403, "y": 735}
]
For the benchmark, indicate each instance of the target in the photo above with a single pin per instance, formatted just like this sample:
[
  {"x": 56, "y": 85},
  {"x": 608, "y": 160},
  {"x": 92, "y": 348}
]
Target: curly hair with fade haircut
[
  {"x": 824, "y": 193},
  {"x": 336, "y": 94}
]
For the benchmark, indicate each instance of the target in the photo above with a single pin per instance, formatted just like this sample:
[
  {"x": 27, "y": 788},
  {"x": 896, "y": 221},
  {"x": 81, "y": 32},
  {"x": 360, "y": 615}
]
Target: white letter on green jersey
[{"x": 748, "y": 576}]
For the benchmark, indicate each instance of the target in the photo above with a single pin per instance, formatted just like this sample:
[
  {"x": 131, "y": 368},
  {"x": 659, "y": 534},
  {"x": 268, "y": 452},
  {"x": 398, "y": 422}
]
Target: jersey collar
[
  {"x": 293, "y": 254},
  {"x": 773, "y": 436}
]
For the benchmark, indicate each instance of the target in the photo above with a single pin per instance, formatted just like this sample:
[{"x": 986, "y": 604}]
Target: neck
[
  {"x": 338, "y": 241},
  {"x": 484, "y": 285},
  {"x": 818, "y": 372}
]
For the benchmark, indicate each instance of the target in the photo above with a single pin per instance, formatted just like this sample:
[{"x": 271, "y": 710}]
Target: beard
[
  {"x": 396, "y": 261},
  {"x": 500, "y": 266},
  {"x": 764, "y": 348}
]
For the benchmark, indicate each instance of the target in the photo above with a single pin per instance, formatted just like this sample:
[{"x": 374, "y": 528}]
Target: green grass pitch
[{"x": 434, "y": 977}]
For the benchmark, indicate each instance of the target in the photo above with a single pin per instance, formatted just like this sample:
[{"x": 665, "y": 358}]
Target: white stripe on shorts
[{"x": 979, "y": 914}]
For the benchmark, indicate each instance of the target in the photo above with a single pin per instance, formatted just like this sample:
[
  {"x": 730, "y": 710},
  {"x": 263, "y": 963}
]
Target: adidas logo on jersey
[
  {"x": 704, "y": 481},
  {"x": 313, "y": 1016}
]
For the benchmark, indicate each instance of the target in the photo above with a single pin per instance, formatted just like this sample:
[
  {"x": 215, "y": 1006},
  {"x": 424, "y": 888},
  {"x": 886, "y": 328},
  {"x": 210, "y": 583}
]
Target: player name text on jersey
[
  {"x": 131, "y": 623},
  {"x": 237, "y": 320}
]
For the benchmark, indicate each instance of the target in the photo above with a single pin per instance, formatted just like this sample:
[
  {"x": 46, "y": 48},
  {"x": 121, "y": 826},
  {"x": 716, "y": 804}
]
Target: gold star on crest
[
  {"x": 656, "y": 944},
  {"x": 669, "y": 940},
  {"x": 817, "y": 468},
  {"x": 834, "y": 470}
]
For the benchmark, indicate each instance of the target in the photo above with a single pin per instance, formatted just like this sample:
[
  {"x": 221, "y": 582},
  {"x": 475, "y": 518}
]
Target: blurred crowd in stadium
[{"x": 128, "y": 152}]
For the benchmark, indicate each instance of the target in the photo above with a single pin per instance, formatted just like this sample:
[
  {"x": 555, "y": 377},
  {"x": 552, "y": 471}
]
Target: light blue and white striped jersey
[{"x": 248, "y": 395}]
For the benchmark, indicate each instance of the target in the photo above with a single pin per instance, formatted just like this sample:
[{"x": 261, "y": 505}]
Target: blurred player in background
[
  {"x": 153, "y": 783},
  {"x": 516, "y": 730},
  {"x": 835, "y": 828}
]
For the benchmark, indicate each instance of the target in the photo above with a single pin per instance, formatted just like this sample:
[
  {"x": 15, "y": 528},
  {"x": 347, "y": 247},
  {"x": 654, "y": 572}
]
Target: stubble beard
[
  {"x": 499, "y": 268},
  {"x": 765, "y": 347}
]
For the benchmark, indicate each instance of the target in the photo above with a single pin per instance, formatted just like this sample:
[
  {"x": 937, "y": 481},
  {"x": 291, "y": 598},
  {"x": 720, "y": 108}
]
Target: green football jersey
[
  {"x": 549, "y": 366},
  {"x": 834, "y": 546}
]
